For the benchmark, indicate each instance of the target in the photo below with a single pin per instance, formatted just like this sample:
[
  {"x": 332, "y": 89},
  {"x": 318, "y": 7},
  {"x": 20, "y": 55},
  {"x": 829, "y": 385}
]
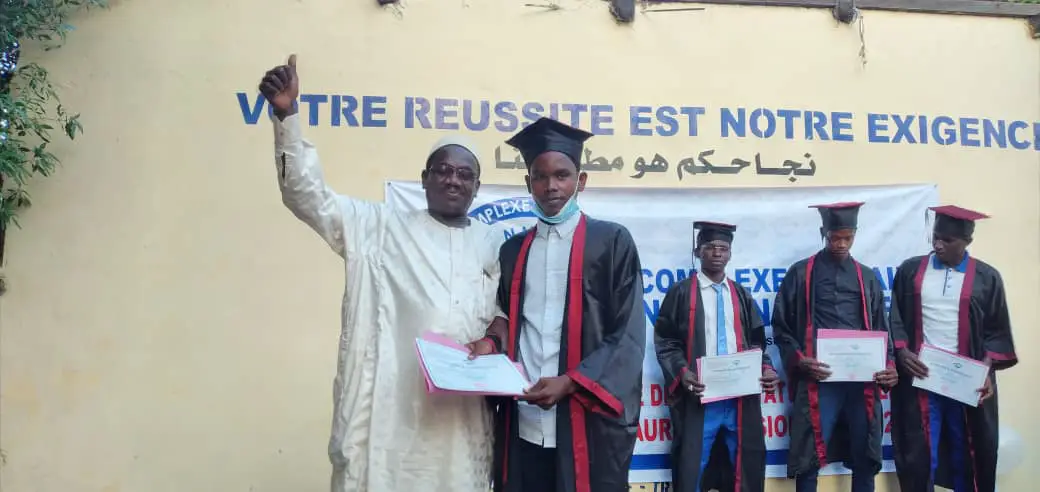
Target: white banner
[{"x": 775, "y": 229}]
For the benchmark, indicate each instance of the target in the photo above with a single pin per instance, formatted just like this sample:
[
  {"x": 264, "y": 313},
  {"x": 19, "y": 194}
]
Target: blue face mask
[{"x": 568, "y": 211}]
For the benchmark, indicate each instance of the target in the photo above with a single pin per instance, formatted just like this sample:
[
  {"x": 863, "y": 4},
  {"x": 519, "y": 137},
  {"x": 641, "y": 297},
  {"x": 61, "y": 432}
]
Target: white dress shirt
[
  {"x": 545, "y": 293},
  {"x": 940, "y": 302},
  {"x": 709, "y": 308}
]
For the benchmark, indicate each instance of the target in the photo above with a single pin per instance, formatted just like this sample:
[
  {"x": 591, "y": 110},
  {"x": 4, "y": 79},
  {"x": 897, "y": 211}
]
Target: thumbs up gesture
[{"x": 280, "y": 86}]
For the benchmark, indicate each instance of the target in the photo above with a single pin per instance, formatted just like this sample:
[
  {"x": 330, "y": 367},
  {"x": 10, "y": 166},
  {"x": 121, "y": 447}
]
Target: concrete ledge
[{"x": 956, "y": 7}]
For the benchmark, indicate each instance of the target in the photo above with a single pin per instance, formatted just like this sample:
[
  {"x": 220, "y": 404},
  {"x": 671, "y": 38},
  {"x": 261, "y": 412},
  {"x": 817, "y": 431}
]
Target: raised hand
[{"x": 280, "y": 86}]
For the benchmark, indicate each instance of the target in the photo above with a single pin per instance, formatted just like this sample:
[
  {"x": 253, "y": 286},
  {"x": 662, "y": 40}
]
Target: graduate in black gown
[
  {"x": 571, "y": 306},
  {"x": 831, "y": 421},
  {"x": 953, "y": 301},
  {"x": 719, "y": 445}
]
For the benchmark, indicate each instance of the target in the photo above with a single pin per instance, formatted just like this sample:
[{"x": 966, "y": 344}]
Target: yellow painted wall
[{"x": 169, "y": 326}]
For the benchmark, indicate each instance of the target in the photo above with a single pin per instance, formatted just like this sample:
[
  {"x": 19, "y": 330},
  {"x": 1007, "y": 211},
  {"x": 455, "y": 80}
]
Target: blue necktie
[{"x": 720, "y": 319}]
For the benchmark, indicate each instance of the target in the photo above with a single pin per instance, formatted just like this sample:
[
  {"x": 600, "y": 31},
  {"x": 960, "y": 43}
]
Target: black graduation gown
[
  {"x": 795, "y": 337},
  {"x": 984, "y": 329},
  {"x": 673, "y": 333},
  {"x": 602, "y": 349}
]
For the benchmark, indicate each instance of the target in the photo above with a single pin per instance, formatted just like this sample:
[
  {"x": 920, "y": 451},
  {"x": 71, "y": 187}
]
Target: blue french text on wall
[{"x": 680, "y": 120}]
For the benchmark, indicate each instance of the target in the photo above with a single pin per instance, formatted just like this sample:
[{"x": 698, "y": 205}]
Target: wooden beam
[
  {"x": 1034, "y": 25},
  {"x": 957, "y": 7}
]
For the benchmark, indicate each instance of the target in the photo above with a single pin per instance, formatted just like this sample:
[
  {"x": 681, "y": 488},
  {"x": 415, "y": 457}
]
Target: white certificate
[
  {"x": 730, "y": 376},
  {"x": 448, "y": 368},
  {"x": 853, "y": 355},
  {"x": 951, "y": 375}
]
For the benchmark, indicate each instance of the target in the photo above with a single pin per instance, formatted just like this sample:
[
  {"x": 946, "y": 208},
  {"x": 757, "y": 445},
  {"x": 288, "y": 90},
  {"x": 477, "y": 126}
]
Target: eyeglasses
[{"x": 444, "y": 172}]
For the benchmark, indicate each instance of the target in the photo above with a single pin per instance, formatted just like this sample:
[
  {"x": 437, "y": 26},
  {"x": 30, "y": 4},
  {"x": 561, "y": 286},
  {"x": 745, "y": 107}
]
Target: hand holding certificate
[
  {"x": 951, "y": 375},
  {"x": 852, "y": 355},
  {"x": 448, "y": 368},
  {"x": 730, "y": 376}
]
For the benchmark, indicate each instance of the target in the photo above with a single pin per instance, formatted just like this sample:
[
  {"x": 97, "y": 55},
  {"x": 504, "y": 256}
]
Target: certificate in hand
[
  {"x": 448, "y": 369},
  {"x": 953, "y": 376},
  {"x": 853, "y": 355},
  {"x": 730, "y": 376}
]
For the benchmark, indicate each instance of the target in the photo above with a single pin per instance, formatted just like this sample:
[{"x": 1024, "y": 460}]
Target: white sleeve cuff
[{"x": 287, "y": 131}]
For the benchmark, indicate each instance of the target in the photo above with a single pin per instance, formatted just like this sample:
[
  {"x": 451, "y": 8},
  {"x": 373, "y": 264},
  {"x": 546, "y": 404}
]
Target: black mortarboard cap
[
  {"x": 547, "y": 135},
  {"x": 713, "y": 231},
  {"x": 951, "y": 220},
  {"x": 837, "y": 216}
]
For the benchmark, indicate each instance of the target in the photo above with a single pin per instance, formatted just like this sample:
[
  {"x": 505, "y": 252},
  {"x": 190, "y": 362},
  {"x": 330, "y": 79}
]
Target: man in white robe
[{"x": 406, "y": 273}]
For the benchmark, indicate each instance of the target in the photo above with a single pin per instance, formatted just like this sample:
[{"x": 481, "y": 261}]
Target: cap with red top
[
  {"x": 954, "y": 221},
  {"x": 713, "y": 231},
  {"x": 837, "y": 216}
]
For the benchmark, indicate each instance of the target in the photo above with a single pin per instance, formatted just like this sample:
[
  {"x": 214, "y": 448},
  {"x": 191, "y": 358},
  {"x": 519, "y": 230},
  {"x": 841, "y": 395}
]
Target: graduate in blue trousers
[
  {"x": 718, "y": 445},
  {"x": 831, "y": 421},
  {"x": 955, "y": 302}
]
